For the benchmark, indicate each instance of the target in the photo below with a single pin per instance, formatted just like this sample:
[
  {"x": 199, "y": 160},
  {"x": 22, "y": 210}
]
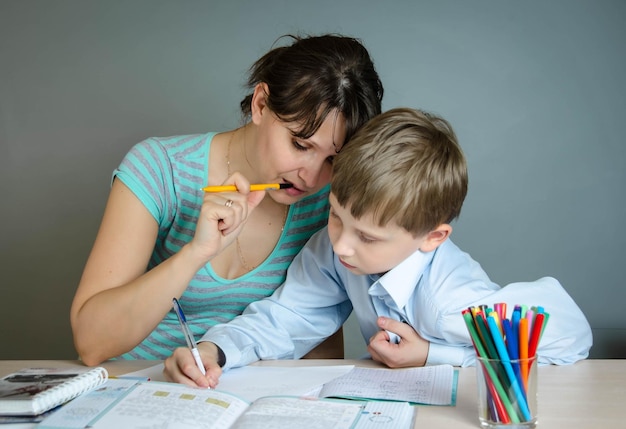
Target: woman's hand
[{"x": 222, "y": 217}]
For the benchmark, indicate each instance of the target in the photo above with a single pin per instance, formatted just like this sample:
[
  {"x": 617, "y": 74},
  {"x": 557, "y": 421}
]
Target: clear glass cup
[{"x": 507, "y": 393}]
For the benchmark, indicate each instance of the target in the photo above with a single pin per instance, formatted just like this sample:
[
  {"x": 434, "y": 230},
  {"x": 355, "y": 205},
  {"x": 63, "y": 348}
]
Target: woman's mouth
[{"x": 293, "y": 191}]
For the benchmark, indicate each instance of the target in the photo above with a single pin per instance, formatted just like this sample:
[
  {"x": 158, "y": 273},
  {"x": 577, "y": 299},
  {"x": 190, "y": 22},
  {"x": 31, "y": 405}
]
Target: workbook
[
  {"x": 361, "y": 398},
  {"x": 156, "y": 404},
  {"x": 32, "y": 391},
  {"x": 430, "y": 385}
]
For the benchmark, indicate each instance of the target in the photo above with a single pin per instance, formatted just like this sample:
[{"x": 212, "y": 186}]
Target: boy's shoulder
[
  {"x": 448, "y": 259},
  {"x": 449, "y": 248}
]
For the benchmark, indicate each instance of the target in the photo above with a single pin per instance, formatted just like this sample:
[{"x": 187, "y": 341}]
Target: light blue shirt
[{"x": 427, "y": 290}]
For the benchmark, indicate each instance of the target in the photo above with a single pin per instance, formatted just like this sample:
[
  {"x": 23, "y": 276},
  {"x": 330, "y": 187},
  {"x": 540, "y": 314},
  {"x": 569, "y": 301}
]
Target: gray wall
[{"x": 535, "y": 90}]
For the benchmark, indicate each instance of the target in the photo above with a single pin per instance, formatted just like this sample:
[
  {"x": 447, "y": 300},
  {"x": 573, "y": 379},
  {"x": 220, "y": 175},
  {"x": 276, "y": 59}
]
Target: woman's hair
[
  {"x": 404, "y": 166},
  {"x": 315, "y": 75}
]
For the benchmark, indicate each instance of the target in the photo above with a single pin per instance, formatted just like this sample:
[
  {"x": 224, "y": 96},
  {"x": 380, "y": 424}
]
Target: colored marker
[
  {"x": 535, "y": 334},
  {"x": 502, "y": 403},
  {"x": 523, "y": 349},
  {"x": 506, "y": 362}
]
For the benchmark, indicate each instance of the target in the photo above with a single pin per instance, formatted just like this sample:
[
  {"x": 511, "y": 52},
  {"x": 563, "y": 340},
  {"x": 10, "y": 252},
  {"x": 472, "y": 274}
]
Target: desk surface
[{"x": 588, "y": 394}]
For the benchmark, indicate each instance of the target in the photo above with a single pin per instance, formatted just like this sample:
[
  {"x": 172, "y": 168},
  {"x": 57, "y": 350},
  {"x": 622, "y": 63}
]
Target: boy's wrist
[
  {"x": 211, "y": 353},
  {"x": 423, "y": 358},
  {"x": 221, "y": 357}
]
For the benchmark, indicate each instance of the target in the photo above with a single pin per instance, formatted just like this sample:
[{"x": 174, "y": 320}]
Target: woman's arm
[{"x": 118, "y": 303}]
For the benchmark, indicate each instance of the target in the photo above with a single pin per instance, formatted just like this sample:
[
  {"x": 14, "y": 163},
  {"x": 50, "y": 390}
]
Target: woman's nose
[{"x": 315, "y": 173}]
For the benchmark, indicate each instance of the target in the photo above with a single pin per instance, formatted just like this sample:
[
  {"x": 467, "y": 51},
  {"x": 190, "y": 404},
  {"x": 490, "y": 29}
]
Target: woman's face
[{"x": 305, "y": 163}]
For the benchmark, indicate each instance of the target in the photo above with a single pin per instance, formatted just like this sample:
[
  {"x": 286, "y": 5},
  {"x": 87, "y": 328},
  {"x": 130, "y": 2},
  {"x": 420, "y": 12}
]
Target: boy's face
[{"x": 363, "y": 247}]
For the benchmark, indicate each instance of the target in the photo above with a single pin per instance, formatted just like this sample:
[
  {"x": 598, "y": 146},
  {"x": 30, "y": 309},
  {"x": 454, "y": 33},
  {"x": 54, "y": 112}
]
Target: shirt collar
[{"x": 400, "y": 282}]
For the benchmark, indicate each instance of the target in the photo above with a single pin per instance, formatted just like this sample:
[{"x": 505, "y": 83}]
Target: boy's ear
[
  {"x": 435, "y": 237},
  {"x": 259, "y": 101}
]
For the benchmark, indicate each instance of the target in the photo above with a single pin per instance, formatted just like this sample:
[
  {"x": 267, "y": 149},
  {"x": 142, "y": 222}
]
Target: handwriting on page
[
  {"x": 284, "y": 412},
  {"x": 427, "y": 385}
]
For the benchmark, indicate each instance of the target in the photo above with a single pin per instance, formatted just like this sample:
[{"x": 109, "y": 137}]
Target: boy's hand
[
  {"x": 411, "y": 350},
  {"x": 181, "y": 366}
]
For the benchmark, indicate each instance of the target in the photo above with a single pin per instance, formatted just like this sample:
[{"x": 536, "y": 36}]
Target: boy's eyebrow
[
  {"x": 374, "y": 235},
  {"x": 371, "y": 234}
]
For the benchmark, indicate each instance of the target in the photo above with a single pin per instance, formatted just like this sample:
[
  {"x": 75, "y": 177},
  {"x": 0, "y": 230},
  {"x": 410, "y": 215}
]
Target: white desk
[{"x": 589, "y": 394}]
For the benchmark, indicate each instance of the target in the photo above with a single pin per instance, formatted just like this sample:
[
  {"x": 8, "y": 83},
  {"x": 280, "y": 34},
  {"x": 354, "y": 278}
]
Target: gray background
[{"x": 535, "y": 90}]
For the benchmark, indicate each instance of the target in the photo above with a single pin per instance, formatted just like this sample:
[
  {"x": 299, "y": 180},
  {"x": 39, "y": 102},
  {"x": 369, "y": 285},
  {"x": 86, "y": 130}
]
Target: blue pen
[
  {"x": 191, "y": 342},
  {"x": 506, "y": 362}
]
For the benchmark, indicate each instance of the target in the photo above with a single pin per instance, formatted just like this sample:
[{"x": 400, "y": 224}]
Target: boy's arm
[
  {"x": 566, "y": 338},
  {"x": 310, "y": 306}
]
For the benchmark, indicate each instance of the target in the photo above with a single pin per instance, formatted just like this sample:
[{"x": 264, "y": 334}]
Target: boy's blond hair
[{"x": 404, "y": 166}]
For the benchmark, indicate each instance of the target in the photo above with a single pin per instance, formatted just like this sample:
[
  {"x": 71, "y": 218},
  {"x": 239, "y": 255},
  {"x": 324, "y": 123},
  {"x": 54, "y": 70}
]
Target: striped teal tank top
[{"x": 166, "y": 174}]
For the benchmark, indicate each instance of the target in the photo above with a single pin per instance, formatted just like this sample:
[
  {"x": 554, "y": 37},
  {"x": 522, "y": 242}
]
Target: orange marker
[{"x": 523, "y": 349}]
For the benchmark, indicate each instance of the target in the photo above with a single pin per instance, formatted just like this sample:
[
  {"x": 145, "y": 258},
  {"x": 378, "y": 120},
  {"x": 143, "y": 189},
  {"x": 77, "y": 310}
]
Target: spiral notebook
[{"x": 32, "y": 391}]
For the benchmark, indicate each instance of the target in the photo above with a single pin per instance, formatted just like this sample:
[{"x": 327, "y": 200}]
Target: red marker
[{"x": 535, "y": 334}]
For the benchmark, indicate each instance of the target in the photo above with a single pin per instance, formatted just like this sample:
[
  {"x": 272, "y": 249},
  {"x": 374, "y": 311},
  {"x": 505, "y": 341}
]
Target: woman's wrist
[{"x": 189, "y": 254}]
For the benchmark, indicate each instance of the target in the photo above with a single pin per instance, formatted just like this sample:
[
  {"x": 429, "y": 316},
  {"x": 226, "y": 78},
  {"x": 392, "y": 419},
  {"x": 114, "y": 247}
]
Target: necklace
[{"x": 242, "y": 259}]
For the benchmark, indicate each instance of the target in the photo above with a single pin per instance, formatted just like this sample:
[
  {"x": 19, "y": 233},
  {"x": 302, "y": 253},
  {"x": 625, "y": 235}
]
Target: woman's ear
[
  {"x": 259, "y": 101},
  {"x": 435, "y": 237}
]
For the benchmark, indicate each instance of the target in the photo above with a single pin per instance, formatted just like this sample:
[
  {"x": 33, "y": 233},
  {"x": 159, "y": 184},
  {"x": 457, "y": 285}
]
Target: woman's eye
[{"x": 298, "y": 146}]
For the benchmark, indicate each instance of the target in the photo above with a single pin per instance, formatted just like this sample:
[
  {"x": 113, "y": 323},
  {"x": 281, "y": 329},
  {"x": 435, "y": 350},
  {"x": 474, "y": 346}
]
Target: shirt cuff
[
  {"x": 439, "y": 354},
  {"x": 227, "y": 353},
  {"x": 221, "y": 358}
]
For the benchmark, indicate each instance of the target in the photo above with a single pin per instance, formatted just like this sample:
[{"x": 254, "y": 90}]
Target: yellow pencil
[{"x": 255, "y": 187}]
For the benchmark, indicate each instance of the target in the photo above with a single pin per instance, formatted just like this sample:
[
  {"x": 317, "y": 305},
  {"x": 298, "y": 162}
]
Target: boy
[{"x": 385, "y": 255}]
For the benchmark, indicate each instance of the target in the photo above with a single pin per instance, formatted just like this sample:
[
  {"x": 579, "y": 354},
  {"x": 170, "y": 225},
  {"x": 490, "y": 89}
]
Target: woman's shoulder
[
  {"x": 181, "y": 144},
  {"x": 188, "y": 150}
]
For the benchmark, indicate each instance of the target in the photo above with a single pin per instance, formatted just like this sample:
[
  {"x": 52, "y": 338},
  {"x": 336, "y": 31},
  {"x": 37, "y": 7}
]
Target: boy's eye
[
  {"x": 366, "y": 239},
  {"x": 330, "y": 160}
]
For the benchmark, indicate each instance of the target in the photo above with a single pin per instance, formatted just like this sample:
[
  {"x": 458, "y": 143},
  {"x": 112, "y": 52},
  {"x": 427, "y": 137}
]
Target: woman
[{"x": 163, "y": 237}]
